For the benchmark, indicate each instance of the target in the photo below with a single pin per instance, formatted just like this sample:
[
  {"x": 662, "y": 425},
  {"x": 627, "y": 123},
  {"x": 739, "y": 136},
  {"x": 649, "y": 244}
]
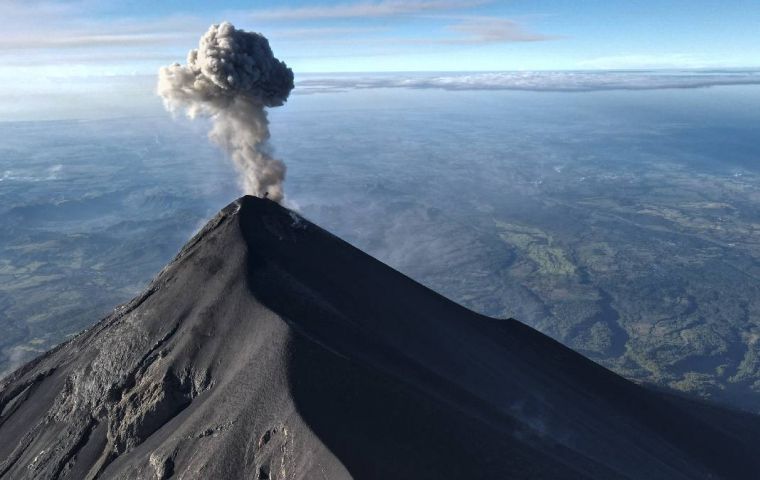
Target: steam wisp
[{"x": 232, "y": 77}]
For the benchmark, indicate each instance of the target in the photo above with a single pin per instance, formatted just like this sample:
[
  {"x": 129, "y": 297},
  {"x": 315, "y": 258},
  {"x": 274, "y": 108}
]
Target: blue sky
[
  {"x": 103, "y": 37},
  {"x": 52, "y": 47}
]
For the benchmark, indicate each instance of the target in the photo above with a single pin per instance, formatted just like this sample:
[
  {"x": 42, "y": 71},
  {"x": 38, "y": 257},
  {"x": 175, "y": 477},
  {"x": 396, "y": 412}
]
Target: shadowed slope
[{"x": 271, "y": 349}]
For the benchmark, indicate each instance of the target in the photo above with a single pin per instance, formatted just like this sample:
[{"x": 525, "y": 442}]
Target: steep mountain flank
[{"x": 271, "y": 349}]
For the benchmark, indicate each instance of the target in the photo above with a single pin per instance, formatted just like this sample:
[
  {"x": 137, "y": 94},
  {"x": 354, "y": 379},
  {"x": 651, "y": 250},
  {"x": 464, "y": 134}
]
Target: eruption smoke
[{"x": 231, "y": 78}]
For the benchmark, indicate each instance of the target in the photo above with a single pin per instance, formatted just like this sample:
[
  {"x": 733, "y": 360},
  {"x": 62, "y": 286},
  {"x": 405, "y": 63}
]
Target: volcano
[{"x": 271, "y": 349}]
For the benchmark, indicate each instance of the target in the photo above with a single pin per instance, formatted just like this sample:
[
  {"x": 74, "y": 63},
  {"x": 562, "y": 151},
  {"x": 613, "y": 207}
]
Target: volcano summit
[{"x": 271, "y": 349}]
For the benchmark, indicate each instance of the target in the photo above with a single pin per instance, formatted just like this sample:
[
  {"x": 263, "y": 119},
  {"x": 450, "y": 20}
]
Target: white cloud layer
[
  {"x": 493, "y": 30},
  {"x": 386, "y": 8},
  {"x": 537, "y": 81}
]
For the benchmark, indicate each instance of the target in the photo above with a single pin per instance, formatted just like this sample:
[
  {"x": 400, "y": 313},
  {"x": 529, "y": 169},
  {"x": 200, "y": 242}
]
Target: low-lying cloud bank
[{"x": 536, "y": 81}]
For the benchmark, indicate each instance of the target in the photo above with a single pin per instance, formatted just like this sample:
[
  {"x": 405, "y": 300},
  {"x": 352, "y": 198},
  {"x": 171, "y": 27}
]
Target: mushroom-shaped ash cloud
[{"x": 232, "y": 77}]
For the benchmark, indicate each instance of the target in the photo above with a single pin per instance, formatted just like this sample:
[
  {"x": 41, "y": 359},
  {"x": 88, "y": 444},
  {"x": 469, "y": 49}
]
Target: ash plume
[{"x": 232, "y": 77}]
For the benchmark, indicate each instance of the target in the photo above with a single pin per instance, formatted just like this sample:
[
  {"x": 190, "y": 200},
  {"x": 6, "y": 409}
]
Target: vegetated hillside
[{"x": 271, "y": 349}]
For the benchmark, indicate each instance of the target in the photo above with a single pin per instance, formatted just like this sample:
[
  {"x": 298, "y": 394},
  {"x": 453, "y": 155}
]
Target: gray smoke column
[{"x": 232, "y": 77}]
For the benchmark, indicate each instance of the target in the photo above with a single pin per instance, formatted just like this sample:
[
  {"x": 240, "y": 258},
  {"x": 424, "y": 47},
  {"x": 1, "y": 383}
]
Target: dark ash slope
[{"x": 271, "y": 349}]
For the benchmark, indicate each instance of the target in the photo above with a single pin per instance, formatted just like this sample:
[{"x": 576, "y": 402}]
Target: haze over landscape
[
  {"x": 593, "y": 172},
  {"x": 596, "y": 227}
]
